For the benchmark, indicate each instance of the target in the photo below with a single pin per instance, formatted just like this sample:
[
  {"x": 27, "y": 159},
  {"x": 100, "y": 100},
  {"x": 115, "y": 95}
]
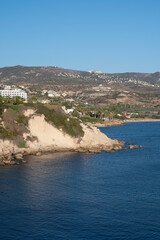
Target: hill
[
  {"x": 54, "y": 75},
  {"x": 91, "y": 87}
]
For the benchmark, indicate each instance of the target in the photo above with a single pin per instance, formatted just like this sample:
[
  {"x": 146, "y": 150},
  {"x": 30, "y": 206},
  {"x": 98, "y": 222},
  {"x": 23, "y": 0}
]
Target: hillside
[
  {"x": 95, "y": 88},
  {"x": 51, "y": 75}
]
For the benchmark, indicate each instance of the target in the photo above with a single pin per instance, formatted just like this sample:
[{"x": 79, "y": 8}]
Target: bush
[
  {"x": 155, "y": 117},
  {"x": 1, "y": 109},
  {"x": 6, "y": 134},
  {"x": 13, "y": 107},
  {"x": 69, "y": 125},
  {"x": 22, "y": 144},
  {"x": 22, "y": 119},
  {"x": 119, "y": 117},
  {"x": 29, "y": 104},
  {"x": 91, "y": 119},
  {"x": 67, "y": 105}
]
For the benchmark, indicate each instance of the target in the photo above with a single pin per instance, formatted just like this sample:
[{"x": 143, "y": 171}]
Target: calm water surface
[{"x": 77, "y": 196}]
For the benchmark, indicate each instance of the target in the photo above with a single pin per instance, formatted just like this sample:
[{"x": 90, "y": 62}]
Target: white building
[
  {"x": 70, "y": 110},
  {"x": 52, "y": 93},
  {"x": 13, "y": 93}
]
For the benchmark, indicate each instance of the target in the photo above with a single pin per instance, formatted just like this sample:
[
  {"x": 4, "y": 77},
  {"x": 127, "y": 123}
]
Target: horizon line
[{"x": 18, "y": 65}]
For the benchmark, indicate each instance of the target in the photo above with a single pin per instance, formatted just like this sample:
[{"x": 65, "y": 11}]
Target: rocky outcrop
[
  {"x": 42, "y": 136},
  {"x": 134, "y": 146},
  {"x": 109, "y": 123}
]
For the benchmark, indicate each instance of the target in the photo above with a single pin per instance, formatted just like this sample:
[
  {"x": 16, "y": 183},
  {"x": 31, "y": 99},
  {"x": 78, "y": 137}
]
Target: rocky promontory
[{"x": 35, "y": 129}]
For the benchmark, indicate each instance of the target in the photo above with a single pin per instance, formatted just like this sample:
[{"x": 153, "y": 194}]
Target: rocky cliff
[{"x": 34, "y": 130}]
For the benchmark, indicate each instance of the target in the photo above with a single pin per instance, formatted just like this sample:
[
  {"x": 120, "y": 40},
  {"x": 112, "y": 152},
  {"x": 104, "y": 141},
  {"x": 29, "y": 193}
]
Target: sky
[{"x": 111, "y": 36}]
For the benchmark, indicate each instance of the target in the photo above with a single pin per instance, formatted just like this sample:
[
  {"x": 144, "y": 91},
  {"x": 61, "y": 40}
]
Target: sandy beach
[{"x": 141, "y": 120}]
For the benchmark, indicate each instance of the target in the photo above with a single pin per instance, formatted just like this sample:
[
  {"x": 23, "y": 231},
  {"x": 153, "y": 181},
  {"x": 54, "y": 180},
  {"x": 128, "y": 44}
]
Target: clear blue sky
[{"x": 104, "y": 35}]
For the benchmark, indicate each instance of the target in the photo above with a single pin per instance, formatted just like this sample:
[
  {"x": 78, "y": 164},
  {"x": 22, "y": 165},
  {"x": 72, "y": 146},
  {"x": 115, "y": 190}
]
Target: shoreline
[
  {"x": 18, "y": 157},
  {"x": 121, "y": 122},
  {"x": 11, "y": 154},
  {"x": 49, "y": 138},
  {"x": 108, "y": 124},
  {"x": 142, "y": 120}
]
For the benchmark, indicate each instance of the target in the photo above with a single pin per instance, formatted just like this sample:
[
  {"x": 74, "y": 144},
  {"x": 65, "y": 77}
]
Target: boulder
[
  {"x": 94, "y": 150},
  {"x": 38, "y": 154},
  {"x": 19, "y": 156},
  {"x": 117, "y": 148},
  {"x": 133, "y": 146},
  {"x": 107, "y": 148}
]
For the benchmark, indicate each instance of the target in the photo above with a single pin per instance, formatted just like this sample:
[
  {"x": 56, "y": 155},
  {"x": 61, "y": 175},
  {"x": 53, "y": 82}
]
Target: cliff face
[
  {"x": 39, "y": 135},
  {"x": 48, "y": 135}
]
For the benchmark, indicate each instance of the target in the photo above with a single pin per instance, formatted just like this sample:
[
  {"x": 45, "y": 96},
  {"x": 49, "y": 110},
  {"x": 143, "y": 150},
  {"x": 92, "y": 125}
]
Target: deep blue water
[{"x": 77, "y": 196}]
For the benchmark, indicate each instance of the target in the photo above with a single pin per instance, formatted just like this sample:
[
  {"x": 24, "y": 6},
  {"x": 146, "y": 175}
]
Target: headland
[{"x": 37, "y": 128}]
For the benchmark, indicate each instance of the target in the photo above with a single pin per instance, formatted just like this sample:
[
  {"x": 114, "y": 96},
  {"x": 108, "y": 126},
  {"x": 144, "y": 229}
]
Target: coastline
[
  {"x": 49, "y": 138},
  {"x": 108, "y": 124},
  {"x": 121, "y": 122},
  {"x": 17, "y": 157},
  {"x": 141, "y": 120}
]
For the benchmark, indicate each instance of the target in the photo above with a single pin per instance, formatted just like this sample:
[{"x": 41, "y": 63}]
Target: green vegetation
[
  {"x": 14, "y": 121},
  {"x": 1, "y": 109},
  {"x": 91, "y": 119},
  {"x": 22, "y": 119},
  {"x": 22, "y": 144},
  {"x": 29, "y": 104},
  {"x": 6, "y": 134},
  {"x": 156, "y": 116},
  {"x": 139, "y": 116},
  {"x": 14, "y": 107},
  {"x": 7, "y": 100},
  {"x": 119, "y": 117},
  {"x": 67, "y": 105},
  {"x": 69, "y": 125},
  {"x": 53, "y": 113}
]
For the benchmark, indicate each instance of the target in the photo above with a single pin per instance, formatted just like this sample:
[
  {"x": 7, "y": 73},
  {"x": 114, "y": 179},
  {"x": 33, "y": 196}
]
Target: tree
[
  {"x": 111, "y": 114},
  {"x": 17, "y": 100}
]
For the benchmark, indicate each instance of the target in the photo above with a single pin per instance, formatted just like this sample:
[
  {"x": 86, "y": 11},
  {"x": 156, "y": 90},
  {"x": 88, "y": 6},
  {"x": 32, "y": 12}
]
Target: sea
[{"x": 74, "y": 196}]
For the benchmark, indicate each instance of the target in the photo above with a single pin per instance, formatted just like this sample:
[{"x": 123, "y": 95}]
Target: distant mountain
[{"x": 55, "y": 75}]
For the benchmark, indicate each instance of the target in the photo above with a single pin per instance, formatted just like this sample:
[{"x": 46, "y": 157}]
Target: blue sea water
[{"x": 75, "y": 196}]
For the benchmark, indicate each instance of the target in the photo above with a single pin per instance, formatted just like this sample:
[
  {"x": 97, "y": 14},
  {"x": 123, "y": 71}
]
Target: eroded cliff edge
[{"x": 37, "y": 129}]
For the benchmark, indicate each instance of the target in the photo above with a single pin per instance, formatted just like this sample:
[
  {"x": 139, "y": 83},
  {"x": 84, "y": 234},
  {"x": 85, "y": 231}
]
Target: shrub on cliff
[
  {"x": 22, "y": 119},
  {"x": 7, "y": 134},
  {"x": 15, "y": 123},
  {"x": 55, "y": 115},
  {"x": 91, "y": 119}
]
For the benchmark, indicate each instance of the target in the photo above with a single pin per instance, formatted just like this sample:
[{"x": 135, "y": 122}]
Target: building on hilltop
[{"x": 14, "y": 93}]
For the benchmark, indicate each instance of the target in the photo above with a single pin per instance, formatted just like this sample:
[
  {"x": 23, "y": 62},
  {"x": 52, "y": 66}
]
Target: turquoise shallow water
[{"x": 78, "y": 196}]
